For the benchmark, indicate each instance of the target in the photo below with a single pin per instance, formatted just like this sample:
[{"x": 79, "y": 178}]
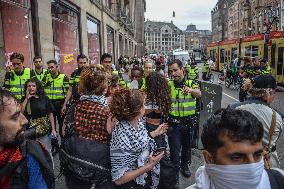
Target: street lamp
[{"x": 272, "y": 16}]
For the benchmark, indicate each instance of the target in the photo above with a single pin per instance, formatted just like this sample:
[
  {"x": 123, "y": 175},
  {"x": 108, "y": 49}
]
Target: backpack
[
  {"x": 276, "y": 179},
  {"x": 77, "y": 157}
]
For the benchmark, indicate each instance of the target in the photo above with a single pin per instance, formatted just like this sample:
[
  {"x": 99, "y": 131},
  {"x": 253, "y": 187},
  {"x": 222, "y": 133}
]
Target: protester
[
  {"x": 262, "y": 89},
  {"x": 91, "y": 137},
  {"x": 38, "y": 109},
  {"x": 23, "y": 163},
  {"x": 157, "y": 105},
  {"x": 137, "y": 74},
  {"x": 133, "y": 163},
  {"x": 232, "y": 141},
  {"x": 149, "y": 67}
]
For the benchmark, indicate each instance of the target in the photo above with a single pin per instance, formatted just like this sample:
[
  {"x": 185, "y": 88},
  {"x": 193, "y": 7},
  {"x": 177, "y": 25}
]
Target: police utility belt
[{"x": 183, "y": 120}]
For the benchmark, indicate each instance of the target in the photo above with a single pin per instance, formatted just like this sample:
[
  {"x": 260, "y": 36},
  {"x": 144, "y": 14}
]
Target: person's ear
[{"x": 208, "y": 157}]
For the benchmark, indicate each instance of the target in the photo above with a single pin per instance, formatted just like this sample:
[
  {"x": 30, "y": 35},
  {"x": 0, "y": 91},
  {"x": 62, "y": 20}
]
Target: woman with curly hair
[
  {"x": 158, "y": 103},
  {"x": 91, "y": 139},
  {"x": 133, "y": 163},
  {"x": 262, "y": 90}
]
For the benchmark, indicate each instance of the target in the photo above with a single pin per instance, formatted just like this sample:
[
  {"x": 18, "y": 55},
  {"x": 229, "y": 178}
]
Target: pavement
[{"x": 228, "y": 96}]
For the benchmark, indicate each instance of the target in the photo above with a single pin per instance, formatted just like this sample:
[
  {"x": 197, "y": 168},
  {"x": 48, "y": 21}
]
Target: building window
[
  {"x": 65, "y": 23},
  {"x": 16, "y": 32},
  {"x": 110, "y": 40},
  {"x": 93, "y": 32}
]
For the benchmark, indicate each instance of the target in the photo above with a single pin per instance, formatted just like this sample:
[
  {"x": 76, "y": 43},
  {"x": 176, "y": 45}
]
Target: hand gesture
[
  {"x": 28, "y": 95},
  {"x": 163, "y": 128},
  {"x": 153, "y": 160},
  {"x": 186, "y": 90}
]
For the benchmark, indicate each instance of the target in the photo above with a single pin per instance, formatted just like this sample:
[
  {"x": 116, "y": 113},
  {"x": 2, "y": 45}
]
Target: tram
[{"x": 251, "y": 46}]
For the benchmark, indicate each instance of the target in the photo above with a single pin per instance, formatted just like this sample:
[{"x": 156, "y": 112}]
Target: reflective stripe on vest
[
  {"x": 18, "y": 83},
  {"x": 56, "y": 90},
  {"x": 181, "y": 105}
]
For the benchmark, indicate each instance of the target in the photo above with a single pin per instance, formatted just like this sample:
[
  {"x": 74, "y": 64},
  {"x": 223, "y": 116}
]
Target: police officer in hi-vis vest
[
  {"x": 39, "y": 71},
  {"x": 15, "y": 79},
  {"x": 56, "y": 85},
  {"x": 183, "y": 108},
  {"x": 72, "y": 93}
]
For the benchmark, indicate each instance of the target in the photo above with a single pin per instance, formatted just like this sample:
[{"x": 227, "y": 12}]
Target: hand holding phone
[{"x": 159, "y": 150}]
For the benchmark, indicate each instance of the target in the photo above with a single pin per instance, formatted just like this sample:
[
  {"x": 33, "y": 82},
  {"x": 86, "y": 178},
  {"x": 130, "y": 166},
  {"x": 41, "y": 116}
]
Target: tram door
[{"x": 279, "y": 65}]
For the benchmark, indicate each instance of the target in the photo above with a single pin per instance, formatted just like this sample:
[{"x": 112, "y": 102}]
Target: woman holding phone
[{"x": 134, "y": 164}]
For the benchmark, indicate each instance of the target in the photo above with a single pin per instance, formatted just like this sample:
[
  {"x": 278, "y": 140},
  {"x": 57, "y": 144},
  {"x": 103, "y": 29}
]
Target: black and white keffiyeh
[
  {"x": 94, "y": 98},
  {"x": 129, "y": 150}
]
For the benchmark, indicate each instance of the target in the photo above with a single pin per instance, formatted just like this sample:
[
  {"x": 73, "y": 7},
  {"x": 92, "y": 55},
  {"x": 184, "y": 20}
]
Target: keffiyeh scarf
[
  {"x": 129, "y": 150},
  {"x": 94, "y": 98}
]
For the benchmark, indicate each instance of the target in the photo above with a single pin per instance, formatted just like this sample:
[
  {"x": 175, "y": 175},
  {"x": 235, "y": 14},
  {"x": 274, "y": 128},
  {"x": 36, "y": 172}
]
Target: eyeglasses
[{"x": 37, "y": 61}]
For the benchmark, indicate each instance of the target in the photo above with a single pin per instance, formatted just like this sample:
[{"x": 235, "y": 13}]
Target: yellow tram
[{"x": 251, "y": 46}]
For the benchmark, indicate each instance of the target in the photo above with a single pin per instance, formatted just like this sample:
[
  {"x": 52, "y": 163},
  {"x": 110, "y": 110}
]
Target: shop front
[{"x": 65, "y": 23}]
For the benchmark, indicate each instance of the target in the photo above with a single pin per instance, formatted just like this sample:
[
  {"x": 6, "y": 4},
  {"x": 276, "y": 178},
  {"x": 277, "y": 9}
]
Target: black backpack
[
  {"x": 77, "y": 157},
  {"x": 276, "y": 179}
]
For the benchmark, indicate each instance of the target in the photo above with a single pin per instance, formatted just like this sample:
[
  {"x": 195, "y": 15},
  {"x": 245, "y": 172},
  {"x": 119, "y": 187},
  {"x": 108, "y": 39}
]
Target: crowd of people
[{"x": 114, "y": 133}]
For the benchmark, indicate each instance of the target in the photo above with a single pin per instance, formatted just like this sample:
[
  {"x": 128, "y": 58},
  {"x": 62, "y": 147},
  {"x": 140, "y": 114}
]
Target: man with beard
[
  {"x": 72, "y": 92},
  {"x": 39, "y": 71},
  {"x": 233, "y": 154},
  {"x": 23, "y": 163}
]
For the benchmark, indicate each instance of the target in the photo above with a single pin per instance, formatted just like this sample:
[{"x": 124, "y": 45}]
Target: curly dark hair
[
  {"x": 93, "y": 81},
  {"x": 4, "y": 93},
  {"x": 158, "y": 92},
  {"x": 17, "y": 55},
  {"x": 39, "y": 87},
  {"x": 127, "y": 104}
]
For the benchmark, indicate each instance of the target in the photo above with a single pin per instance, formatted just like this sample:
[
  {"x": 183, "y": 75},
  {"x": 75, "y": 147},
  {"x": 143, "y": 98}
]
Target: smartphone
[{"x": 159, "y": 150}]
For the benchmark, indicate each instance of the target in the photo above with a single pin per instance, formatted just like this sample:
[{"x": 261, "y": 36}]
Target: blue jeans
[{"x": 180, "y": 141}]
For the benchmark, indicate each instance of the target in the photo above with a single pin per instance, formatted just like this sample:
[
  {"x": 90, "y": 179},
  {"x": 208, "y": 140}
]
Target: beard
[{"x": 12, "y": 142}]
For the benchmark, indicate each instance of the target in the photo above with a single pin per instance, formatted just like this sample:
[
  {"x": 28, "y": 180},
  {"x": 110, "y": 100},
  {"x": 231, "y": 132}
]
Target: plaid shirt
[{"x": 90, "y": 120}]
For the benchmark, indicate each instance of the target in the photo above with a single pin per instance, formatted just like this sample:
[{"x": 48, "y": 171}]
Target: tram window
[
  {"x": 248, "y": 51},
  {"x": 222, "y": 55},
  {"x": 273, "y": 48},
  {"x": 280, "y": 60},
  {"x": 254, "y": 51},
  {"x": 234, "y": 53}
]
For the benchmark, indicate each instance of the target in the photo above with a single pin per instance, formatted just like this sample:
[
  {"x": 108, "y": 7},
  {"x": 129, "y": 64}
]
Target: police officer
[
  {"x": 183, "y": 107},
  {"x": 55, "y": 86},
  {"x": 265, "y": 67},
  {"x": 205, "y": 70},
  {"x": 82, "y": 61},
  {"x": 245, "y": 72},
  {"x": 17, "y": 77},
  {"x": 106, "y": 61},
  {"x": 192, "y": 71},
  {"x": 39, "y": 71}
]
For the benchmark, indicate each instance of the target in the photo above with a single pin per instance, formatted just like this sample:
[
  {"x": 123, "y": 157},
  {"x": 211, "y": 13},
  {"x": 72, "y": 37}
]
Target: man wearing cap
[{"x": 262, "y": 89}]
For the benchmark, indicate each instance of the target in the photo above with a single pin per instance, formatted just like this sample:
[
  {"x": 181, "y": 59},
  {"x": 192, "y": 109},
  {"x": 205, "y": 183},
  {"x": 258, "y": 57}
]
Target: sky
[{"x": 197, "y": 12}]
